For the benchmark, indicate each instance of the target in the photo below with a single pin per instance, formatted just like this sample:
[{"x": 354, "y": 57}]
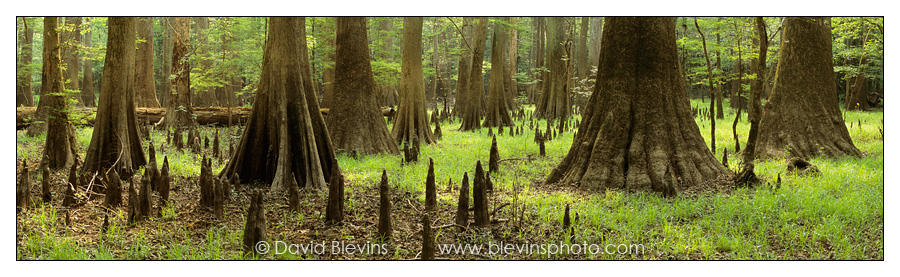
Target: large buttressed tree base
[
  {"x": 638, "y": 132},
  {"x": 412, "y": 120},
  {"x": 285, "y": 134},
  {"x": 802, "y": 117},
  {"x": 355, "y": 120},
  {"x": 115, "y": 141}
]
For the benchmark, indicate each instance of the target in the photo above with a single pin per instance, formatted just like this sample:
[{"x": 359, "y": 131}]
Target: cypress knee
[
  {"x": 462, "y": 207},
  {"x": 23, "y": 189},
  {"x": 113, "y": 188},
  {"x": 384, "y": 209},
  {"x": 430, "y": 188},
  {"x": 427, "y": 238},
  {"x": 45, "y": 184},
  {"x": 255, "y": 227},
  {"x": 494, "y": 162},
  {"x": 479, "y": 195},
  {"x": 294, "y": 195},
  {"x": 207, "y": 195},
  {"x": 164, "y": 181},
  {"x": 145, "y": 197},
  {"x": 334, "y": 212}
]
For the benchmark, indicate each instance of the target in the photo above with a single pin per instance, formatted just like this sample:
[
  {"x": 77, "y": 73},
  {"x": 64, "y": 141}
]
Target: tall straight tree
[
  {"x": 179, "y": 113},
  {"x": 328, "y": 71},
  {"x": 471, "y": 118},
  {"x": 115, "y": 142},
  {"x": 23, "y": 71},
  {"x": 584, "y": 65},
  {"x": 285, "y": 135},
  {"x": 144, "y": 79},
  {"x": 513, "y": 57},
  {"x": 497, "y": 112},
  {"x": 638, "y": 133},
  {"x": 166, "y": 87},
  {"x": 464, "y": 67},
  {"x": 60, "y": 148},
  {"x": 720, "y": 113},
  {"x": 72, "y": 58},
  {"x": 594, "y": 51},
  {"x": 554, "y": 101},
  {"x": 802, "y": 117},
  {"x": 87, "y": 83},
  {"x": 412, "y": 119},
  {"x": 355, "y": 120},
  {"x": 205, "y": 95}
]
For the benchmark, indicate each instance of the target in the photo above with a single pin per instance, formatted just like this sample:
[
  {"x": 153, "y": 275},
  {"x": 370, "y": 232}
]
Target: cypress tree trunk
[
  {"x": 328, "y": 72},
  {"x": 471, "y": 118},
  {"x": 355, "y": 119},
  {"x": 632, "y": 137},
  {"x": 60, "y": 147},
  {"x": 23, "y": 71},
  {"x": 554, "y": 101},
  {"x": 802, "y": 117},
  {"x": 87, "y": 84},
  {"x": 72, "y": 59},
  {"x": 285, "y": 134},
  {"x": 179, "y": 113},
  {"x": 497, "y": 112},
  {"x": 144, "y": 78},
  {"x": 412, "y": 119},
  {"x": 464, "y": 68},
  {"x": 115, "y": 142}
]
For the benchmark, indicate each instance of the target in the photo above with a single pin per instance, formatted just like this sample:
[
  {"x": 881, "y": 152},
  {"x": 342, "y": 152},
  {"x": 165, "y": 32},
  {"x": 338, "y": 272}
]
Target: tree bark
[
  {"x": 464, "y": 69},
  {"x": 355, "y": 120},
  {"x": 205, "y": 95},
  {"x": 72, "y": 59},
  {"x": 60, "y": 148},
  {"x": 284, "y": 136},
  {"x": 168, "y": 45},
  {"x": 144, "y": 78},
  {"x": 87, "y": 84},
  {"x": 412, "y": 119},
  {"x": 802, "y": 117},
  {"x": 595, "y": 41},
  {"x": 633, "y": 137},
  {"x": 513, "y": 59},
  {"x": 328, "y": 73},
  {"x": 23, "y": 71},
  {"x": 554, "y": 101},
  {"x": 473, "y": 113},
  {"x": 497, "y": 112},
  {"x": 115, "y": 142},
  {"x": 584, "y": 65},
  {"x": 179, "y": 109}
]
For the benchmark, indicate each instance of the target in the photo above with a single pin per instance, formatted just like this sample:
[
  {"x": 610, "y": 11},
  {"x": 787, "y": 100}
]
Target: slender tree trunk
[
  {"x": 23, "y": 71},
  {"x": 720, "y": 110},
  {"x": 802, "y": 117},
  {"x": 412, "y": 120},
  {"x": 584, "y": 65},
  {"x": 87, "y": 84},
  {"x": 60, "y": 149},
  {"x": 554, "y": 101},
  {"x": 513, "y": 62},
  {"x": 168, "y": 45},
  {"x": 472, "y": 116},
  {"x": 540, "y": 35},
  {"x": 712, "y": 98},
  {"x": 179, "y": 113},
  {"x": 736, "y": 98},
  {"x": 115, "y": 142},
  {"x": 355, "y": 120},
  {"x": 328, "y": 72},
  {"x": 632, "y": 137},
  {"x": 857, "y": 96},
  {"x": 285, "y": 136},
  {"x": 595, "y": 40},
  {"x": 497, "y": 112},
  {"x": 144, "y": 78},
  {"x": 205, "y": 95},
  {"x": 72, "y": 59}
]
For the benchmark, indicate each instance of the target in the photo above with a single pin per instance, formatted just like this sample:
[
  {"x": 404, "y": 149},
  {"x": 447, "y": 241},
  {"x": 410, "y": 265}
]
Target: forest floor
[{"x": 836, "y": 215}]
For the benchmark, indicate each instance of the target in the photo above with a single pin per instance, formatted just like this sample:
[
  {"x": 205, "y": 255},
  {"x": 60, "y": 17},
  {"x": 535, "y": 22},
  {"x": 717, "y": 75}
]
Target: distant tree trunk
[
  {"x": 87, "y": 84},
  {"x": 736, "y": 99},
  {"x": 285, "y": 135},
  {"x": 355, "y": 120},
  {"x": 554, "y": 101},
  {"x": 23, "y": 71},
  {"x": 595, "y": 41},
  {"x": 205, "y": 94},
  {"x": 497, "y": 112},
  {"x": 537, "y": 88},
  {"x": 802, "y": 117},
  {"x": 712, "y": 98},
  {"x": 632, "y": 137},
  {"x": 60, "y": 148},
  {"x": 513, "y": 87},
  {"x": 720, "y": 110},
  {"x": 168, "y": 45},
  {"x": 328, "y": 72},
  {"x": 144, "y": 78},
  {"x": 115, "y": 142},
  {"x": 472, "y": 115},
  {"x": 412, "y": 120},
  {"x": 581, "y": 58},
  {"x": 179, "y": 113},
  {"x": 464, "y": 69},
  {"x": 72, "y": 58}
]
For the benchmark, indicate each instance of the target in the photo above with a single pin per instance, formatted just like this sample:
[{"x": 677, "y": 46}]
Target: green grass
[{"x": 836, "y": 215}]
